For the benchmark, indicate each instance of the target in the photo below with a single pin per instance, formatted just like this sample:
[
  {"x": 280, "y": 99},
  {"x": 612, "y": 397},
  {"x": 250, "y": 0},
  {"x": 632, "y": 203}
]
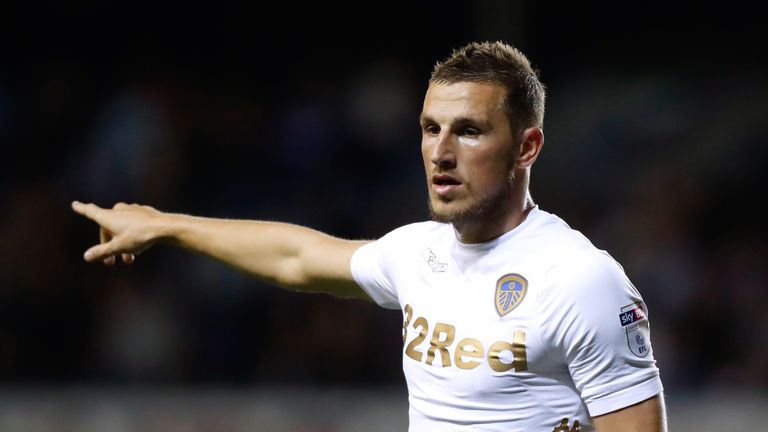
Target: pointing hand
[{"x": 126, "y": 229}]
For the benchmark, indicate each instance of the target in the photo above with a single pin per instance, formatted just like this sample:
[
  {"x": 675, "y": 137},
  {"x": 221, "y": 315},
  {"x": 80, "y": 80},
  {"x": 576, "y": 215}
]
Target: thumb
[{"x": 102, "y": 251}]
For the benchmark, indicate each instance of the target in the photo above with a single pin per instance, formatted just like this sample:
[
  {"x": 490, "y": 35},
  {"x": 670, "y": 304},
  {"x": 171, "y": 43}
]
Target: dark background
[{"x": 656, "y": 147}]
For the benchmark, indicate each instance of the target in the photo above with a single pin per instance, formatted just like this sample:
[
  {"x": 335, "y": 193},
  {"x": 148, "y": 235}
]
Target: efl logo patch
[
  {"x": 633, "y": 319},
  {"x": 510, "y": 291}
]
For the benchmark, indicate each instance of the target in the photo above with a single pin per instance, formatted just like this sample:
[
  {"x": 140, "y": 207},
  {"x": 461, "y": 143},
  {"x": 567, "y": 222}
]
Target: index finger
[{"x": 91, "y": 211}]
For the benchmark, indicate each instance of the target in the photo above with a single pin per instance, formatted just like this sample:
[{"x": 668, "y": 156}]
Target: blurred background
[{"x": 656, "y": 150}]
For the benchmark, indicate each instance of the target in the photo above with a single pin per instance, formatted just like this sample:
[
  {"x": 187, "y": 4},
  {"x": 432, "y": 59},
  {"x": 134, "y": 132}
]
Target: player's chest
[{"x": 472, "y": 319}]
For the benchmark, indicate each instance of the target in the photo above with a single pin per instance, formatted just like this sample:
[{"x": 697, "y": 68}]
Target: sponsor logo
[
  {"x": 510, "y": 292},
  {"x": 563, "y": 426},
  {"x": 635, "y": 322},
  {"x": 633, "y": 315},
  {"x": 445, "y": 349},
  {"x": 434, "y": 264}
]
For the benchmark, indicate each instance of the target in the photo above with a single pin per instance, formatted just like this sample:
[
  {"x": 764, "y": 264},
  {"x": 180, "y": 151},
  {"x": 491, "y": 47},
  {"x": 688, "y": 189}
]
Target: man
[{"x": 512, "y": 321}]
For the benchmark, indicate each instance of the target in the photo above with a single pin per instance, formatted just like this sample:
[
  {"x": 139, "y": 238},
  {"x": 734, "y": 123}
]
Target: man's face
[{"x": 468, "y": 149}]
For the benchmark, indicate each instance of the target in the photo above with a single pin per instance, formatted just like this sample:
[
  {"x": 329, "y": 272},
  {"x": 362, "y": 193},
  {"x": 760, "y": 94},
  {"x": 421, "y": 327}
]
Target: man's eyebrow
[
  {"x": 463, "y": 121},
  {"x": 458, "y": 121}
]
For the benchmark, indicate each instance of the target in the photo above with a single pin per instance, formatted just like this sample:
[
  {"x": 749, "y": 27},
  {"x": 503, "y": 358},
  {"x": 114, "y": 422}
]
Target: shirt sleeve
[
  {"x": 368, "y": 271},
  {"x": 596, "y": 322}
]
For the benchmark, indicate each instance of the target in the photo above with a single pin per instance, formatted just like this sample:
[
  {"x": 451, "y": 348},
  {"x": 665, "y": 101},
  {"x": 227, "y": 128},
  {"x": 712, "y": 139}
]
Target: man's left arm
[
  {"x": 599, "y": 321},
  {"x": 647, "y": 416}
]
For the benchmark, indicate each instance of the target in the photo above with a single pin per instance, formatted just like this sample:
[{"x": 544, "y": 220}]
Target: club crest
[{"x": 510, "y": 291}]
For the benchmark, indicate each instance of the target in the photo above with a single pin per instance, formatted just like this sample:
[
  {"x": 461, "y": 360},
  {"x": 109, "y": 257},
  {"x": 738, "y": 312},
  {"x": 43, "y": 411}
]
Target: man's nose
[{"x": 443, "y": 152}]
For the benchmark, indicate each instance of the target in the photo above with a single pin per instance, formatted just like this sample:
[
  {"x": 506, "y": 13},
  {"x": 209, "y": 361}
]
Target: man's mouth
[{"x": 444, "y": 184}]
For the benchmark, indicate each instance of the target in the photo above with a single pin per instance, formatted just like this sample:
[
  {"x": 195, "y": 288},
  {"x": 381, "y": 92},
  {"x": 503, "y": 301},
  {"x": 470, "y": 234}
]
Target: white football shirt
[{"x": 532, "y": 331}]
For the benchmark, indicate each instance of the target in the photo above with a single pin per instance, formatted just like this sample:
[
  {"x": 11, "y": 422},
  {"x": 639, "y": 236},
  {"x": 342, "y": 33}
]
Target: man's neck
[{"x": 492, "y": 226}]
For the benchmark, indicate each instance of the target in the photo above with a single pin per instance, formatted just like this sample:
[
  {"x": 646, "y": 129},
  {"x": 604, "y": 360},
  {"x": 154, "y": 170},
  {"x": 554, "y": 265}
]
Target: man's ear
[{"x": 530, "y": 147}]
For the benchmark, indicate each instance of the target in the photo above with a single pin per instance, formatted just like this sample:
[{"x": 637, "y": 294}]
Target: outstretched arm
[{"x": 291, "y": 256}]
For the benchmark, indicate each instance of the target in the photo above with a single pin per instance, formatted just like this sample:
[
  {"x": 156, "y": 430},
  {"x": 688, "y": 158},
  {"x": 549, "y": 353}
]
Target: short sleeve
[
  {"x": 367, "y": 270},
  {"x": 595, "y": 320}
]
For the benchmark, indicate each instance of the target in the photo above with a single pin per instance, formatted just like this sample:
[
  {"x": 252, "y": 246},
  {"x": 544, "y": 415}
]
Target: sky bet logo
[
  {"x": 634, "y": 321},
  {"x": 630, "y": 316}
]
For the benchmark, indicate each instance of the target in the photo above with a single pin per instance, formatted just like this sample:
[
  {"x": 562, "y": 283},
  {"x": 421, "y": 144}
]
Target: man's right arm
[{"x": 287, "y": 255}]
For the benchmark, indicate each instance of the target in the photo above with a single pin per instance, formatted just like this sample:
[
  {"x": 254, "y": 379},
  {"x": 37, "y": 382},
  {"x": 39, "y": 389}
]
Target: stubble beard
[{"x": 483, "y": 210}]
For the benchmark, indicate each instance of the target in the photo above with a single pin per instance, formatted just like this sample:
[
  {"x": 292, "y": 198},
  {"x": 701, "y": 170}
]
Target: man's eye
[
  {"x": 432, "y": 129},
  {"x": 471, "y": 132}
]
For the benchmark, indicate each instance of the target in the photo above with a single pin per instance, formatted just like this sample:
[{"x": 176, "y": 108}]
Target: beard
[{"x": 484, "y": 208}]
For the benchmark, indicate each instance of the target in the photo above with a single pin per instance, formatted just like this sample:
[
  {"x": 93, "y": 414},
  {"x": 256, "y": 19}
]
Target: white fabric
[{"x": 581, "y": 357}]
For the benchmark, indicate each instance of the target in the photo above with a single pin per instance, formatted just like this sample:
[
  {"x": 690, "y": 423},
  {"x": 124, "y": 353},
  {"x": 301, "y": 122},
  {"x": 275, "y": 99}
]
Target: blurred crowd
[{"x": 660, "y": 161}]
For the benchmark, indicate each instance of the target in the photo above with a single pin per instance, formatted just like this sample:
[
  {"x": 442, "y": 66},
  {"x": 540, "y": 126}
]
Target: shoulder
[
  {"x": 416, "y": 231},
  {"x": 588, "y": 271},
  {"x": 405, "y": 241},
  {"x": 553, "y": 234},
  {"x": 576, "y": 270},
  {"x": 585, "y": 292}
]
